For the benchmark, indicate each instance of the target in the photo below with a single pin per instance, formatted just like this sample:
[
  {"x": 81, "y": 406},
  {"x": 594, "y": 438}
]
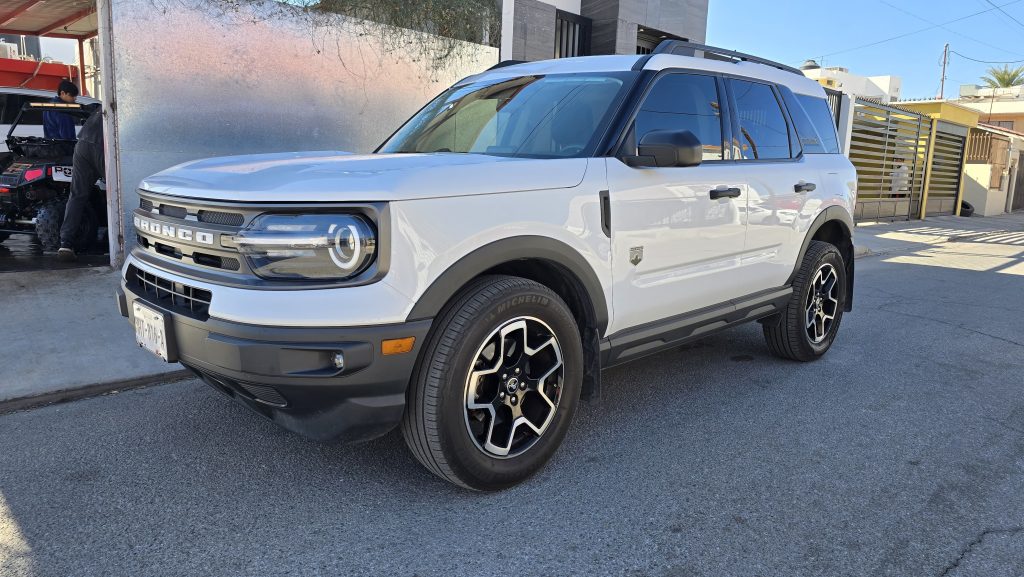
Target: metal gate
[
  {"x": 888, "y": 147},
  {"x": 946, "y": 170},
  {"x": 1018, "y": 188}
]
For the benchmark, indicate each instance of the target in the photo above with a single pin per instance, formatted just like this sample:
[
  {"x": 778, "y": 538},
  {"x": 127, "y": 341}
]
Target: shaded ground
[
  {"x": 22, "y": 253},
  {"x": 901, "y": 453}
]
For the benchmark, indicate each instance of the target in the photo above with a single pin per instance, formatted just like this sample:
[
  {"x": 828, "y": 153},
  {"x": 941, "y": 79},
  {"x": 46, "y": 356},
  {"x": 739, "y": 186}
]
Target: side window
[
  {"x": 764, "y": 133},
  {"x": 684, "y": 102},
  {"x": 10, "y": 104},
  {"x": 818, "y": 111}
]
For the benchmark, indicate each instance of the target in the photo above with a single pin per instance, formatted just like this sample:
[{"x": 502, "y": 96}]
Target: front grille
[
  {"x": 224, "y": 218},
  {"x": 262, "y": 394},
  {"x": 146, "y": 204},
  {"x": 173, "y": 211},
  {"x": 178, "y": 297}
]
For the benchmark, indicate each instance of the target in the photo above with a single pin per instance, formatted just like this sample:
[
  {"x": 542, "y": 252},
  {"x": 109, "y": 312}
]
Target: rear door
[{"x": 779, "y": 179}]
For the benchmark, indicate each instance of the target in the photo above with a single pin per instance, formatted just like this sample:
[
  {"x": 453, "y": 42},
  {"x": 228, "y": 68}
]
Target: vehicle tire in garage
[
  {"x": 806, "y": 328},
  {"x": 497, "y": 384},
  {"x": 48, "y": 220}
]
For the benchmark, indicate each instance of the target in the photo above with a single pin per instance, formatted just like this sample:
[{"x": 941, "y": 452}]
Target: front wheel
[
  {"x": 497, "y": 386},
  {"x": 807, "y": 327}
]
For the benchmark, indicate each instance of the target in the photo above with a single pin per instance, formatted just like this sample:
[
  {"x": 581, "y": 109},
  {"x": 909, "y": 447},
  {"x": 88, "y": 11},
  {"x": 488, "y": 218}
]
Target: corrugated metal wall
[{"x": 220, "y": 78}]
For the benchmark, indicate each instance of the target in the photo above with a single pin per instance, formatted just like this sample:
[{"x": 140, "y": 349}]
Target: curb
[{"x": 87, "y": 391}]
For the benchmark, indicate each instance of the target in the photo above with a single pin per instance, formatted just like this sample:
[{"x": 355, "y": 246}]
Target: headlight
[{"x": 308, "y": 246}]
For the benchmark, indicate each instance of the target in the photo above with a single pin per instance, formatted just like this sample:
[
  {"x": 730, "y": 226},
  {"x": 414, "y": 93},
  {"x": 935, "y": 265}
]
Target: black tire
[
  {"x": 966, "y": 208},
  {"x": 789, "y": 334},
  {"x": 437, "y": 426},
  {"x": 49, "y": 217}
]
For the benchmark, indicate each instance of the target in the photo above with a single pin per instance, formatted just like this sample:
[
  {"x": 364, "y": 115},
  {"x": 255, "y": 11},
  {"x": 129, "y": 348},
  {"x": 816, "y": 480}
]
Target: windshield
[{"x": 551, "y": 116}]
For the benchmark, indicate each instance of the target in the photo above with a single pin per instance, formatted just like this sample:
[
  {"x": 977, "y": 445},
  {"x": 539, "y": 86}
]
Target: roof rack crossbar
[{"x": 684, "y": 48}]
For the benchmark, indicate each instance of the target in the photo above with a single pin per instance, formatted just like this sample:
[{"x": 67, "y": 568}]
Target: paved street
[{"x": 901, "y": 453}]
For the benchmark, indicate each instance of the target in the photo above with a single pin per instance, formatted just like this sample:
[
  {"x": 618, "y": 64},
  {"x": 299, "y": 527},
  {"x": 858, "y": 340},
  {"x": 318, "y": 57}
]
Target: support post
[
  {"x": 81, "y": 67},
  {"x": 928, "y": 168},
  {"x": 115, "y": 210}
]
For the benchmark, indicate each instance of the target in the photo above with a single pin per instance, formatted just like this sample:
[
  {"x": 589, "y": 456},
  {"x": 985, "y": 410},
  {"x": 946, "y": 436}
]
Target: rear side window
[
  {"x": 764, "y": 133},
  {"x": 684, "y": 102},
  {"x": 818, "y": 111}
]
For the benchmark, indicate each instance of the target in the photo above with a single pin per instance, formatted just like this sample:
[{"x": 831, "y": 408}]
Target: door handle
[
  {"x": 804, "y": 186},
  {"x": 725, "y": 193}
]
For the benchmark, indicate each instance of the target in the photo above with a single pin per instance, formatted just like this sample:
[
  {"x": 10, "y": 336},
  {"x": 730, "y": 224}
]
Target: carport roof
[{"x": 51, "y": 18}]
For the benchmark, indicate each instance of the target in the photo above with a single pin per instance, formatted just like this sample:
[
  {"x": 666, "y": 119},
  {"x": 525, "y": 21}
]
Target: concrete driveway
[{"x": 901, "y": 453}]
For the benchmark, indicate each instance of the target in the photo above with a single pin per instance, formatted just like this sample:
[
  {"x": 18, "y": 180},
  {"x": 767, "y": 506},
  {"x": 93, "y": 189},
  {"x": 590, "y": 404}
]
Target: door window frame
[
  {"x": 795, "y": 155},
  {"x": 627, "y": 135}
]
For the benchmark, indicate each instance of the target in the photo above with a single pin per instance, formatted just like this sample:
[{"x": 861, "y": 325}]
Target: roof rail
[
  {"x": 505, "y": 63},
  {"x": 684, "y": 48}
]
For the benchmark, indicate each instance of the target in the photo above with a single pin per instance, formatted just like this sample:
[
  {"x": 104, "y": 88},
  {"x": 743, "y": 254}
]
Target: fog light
[{"x": 339, "y": 361}]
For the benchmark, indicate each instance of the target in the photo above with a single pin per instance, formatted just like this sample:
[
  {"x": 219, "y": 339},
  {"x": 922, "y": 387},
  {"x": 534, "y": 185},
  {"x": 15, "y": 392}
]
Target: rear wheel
[
  {"x": 49, "y": 217},
  {"x": 497, "y": 386},
  {"x": 807, "y": 327}
]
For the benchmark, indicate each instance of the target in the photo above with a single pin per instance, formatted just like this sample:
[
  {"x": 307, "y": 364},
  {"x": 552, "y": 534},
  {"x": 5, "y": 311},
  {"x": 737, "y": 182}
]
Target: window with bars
[{"x": 572, "y": 35}]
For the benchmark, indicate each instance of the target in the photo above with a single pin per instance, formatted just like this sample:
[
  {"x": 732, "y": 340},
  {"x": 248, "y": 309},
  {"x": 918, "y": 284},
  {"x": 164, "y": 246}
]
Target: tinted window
[
  {"x": 820, "y": 115},
  {"x": 764, "y": 134},
  {"x": 684, "y": 102},
  {"x": 555, "y": 116}
]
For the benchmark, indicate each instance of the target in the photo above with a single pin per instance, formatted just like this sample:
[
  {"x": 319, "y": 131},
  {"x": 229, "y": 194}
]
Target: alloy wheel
[
  {"x": 513, "y": 387},
  {"x": 822, "y": 303}
]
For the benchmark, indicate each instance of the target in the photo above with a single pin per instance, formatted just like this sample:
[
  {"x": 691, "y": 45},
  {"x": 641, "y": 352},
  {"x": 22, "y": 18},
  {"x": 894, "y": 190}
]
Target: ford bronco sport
[{"x": 530, "y": 226}]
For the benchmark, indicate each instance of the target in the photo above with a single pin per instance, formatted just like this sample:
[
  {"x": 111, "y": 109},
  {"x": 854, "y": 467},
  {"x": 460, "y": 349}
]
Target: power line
[
  {"x": 904, "y": 35},
  {"x": 1005, "y": 13},
  {"x": 987, "y": 61},
  {"x": 948, "y": 29}
]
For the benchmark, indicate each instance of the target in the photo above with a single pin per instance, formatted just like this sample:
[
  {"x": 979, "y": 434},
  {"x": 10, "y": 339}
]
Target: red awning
[{"x": 51, "y": 18}]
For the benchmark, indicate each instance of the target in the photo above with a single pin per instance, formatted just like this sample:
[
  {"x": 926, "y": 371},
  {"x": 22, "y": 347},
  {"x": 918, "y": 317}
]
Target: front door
[{"x": 675, "y": 248}]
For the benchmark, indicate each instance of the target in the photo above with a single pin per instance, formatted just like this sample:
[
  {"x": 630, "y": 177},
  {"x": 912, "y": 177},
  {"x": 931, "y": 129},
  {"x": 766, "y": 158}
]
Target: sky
[{"x": 876, "y": 37}]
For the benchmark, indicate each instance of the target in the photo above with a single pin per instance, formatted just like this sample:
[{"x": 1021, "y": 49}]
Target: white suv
[{"x": 532, "y": 225}]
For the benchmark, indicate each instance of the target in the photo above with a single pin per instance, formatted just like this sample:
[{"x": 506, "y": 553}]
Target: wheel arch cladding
[
  {"x": 544, "y": 260},
  {"x": 833, "y": 225}
]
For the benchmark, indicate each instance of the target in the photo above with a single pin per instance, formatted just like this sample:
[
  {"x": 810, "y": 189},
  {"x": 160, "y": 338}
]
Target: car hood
[{"x": 339, "y": 176}]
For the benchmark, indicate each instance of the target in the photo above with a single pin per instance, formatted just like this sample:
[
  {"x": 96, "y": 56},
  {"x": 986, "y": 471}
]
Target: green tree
[{"x": 1004, "y": 77}]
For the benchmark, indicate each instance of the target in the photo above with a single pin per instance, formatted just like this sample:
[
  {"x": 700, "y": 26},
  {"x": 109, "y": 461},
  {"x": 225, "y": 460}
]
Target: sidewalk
[
  {"x": 872, "y": 239},
  {"x": 64, "y": 338},
  {"x": 62, "y": 333}
]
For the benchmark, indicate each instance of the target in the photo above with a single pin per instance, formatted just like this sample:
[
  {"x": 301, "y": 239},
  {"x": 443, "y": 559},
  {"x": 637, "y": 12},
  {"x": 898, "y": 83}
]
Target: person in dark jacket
[
  {"x": 88, "y": 165},
  {"x": 57, "y": 124}
]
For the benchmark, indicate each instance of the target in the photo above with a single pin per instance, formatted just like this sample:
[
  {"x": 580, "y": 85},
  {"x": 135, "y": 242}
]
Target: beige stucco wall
[{"x": 986, "y": 201}]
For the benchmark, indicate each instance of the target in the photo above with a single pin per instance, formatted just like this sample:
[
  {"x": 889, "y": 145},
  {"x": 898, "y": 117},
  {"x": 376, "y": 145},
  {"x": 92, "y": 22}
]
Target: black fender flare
[
  {"x": 845, "y": 219},
  {"x": 499, "y": 252}
]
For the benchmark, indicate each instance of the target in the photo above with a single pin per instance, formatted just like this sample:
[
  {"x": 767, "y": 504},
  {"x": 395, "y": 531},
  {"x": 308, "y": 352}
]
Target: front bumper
[{"x": 287, "y": 374}]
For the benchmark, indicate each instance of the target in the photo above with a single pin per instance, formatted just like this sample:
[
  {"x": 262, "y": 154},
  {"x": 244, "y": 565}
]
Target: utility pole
[{"x": 942, "y": 83}]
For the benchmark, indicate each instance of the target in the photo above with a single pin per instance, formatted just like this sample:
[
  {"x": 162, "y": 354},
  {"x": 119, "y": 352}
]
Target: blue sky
[{"x": 791, "y": 31}]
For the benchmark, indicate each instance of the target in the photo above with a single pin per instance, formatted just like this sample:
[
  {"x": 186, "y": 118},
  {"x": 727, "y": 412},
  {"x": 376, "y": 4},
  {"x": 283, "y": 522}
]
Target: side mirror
[{"x": 667, "y": 148}]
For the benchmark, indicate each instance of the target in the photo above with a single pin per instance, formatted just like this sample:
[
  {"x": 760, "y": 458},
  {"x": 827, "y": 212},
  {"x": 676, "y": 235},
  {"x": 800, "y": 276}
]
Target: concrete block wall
[{"x": 616, "y": 21}]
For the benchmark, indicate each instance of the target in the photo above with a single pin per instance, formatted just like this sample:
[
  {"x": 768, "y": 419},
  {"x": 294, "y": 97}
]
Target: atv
[{"x": 35, "y": 183}]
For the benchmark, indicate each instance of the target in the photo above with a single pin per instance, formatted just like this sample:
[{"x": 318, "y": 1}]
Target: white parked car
[
  {"x": 532, "y": 225},
  {"x": 11, "y": 102}
]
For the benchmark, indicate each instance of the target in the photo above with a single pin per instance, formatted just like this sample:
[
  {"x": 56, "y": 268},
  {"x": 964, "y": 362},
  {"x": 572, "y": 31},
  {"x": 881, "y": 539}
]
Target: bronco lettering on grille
[{"x": 169, "y": 231}]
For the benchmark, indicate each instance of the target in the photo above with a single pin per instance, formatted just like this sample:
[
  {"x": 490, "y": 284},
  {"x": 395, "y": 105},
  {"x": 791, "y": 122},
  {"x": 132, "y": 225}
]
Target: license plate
[
  {"x": 62, "y": 174},
  {"x": 150, "y": 330}
]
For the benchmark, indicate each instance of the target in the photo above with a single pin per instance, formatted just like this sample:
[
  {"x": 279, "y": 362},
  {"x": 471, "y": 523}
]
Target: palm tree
[{"x": 1004, "y": 77}]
